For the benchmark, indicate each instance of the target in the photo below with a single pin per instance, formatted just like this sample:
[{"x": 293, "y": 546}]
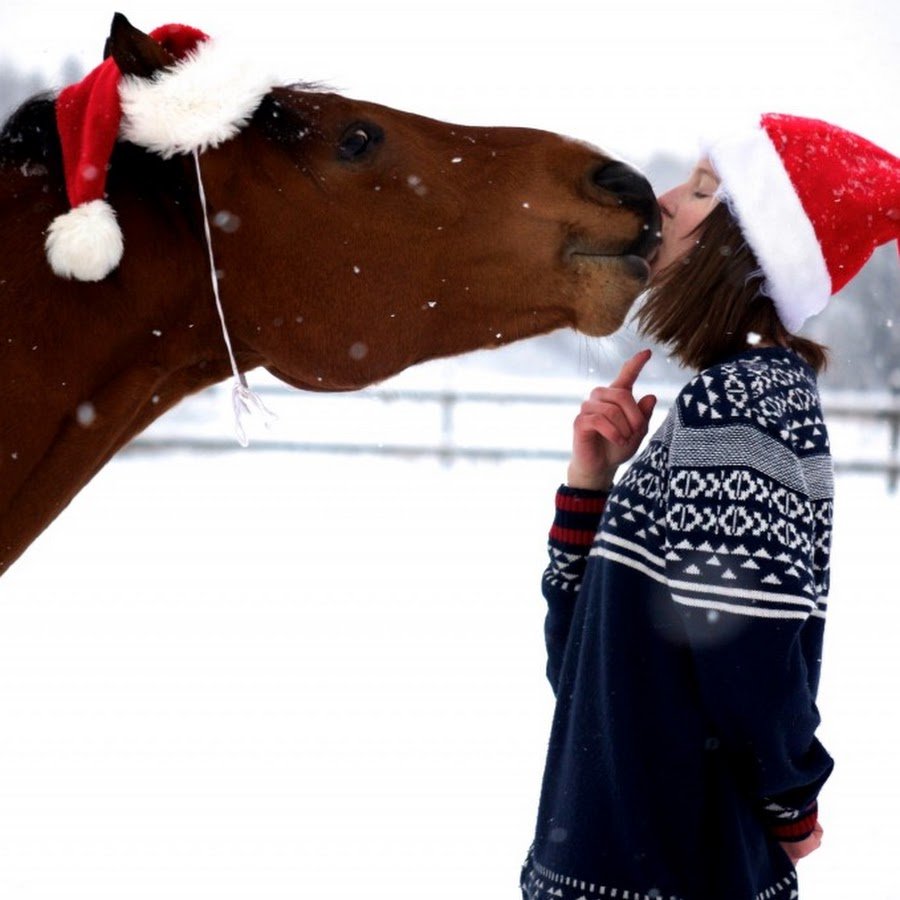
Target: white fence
[{"x": 452, "y": 424}]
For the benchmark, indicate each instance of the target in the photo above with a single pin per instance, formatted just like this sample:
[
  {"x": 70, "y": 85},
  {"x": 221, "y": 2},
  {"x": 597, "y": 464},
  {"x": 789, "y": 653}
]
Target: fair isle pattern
[
  {"x": 730, "y": 505},
  {"x": 565, "y": 570},
  {"x": 786, "y": 888},
  {"x": 788, "y": 824},
  {"x": 544, "y": 884},
  {"x": 572, "y": 534}
]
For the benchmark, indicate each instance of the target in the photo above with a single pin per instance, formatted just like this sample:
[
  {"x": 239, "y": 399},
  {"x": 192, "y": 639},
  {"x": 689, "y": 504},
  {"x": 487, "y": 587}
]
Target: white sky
[{"x": 631, "y": 77}]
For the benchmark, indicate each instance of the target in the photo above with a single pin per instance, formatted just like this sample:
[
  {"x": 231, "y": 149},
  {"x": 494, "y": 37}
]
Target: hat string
[{"x": 244, "y": 401}]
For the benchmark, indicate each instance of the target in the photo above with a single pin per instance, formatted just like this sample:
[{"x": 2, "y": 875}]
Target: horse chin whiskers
[
  {"x": 607, "y": 288},
  {"x": 579, "y": 244}
]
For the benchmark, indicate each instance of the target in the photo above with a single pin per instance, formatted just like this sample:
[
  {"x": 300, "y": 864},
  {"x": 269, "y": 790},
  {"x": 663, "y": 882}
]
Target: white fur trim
[
  {"x": 85, "y": 243},
  {"x": 201, "y": 101},
  {"x": 772, "y": 218}
]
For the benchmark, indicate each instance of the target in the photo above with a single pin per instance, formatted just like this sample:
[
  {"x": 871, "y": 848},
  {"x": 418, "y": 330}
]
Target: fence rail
[{"x": 867, "y": 421}]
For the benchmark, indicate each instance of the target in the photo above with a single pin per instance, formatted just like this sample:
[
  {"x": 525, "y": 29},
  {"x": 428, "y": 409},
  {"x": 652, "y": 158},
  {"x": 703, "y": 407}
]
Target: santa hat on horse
[
  {"x": 204, "y": 97},
  {"x": 813, "y": 202}
]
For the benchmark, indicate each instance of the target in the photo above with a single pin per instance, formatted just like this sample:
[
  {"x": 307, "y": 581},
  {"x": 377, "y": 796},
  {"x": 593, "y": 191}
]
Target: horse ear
[{"x": 135, "y": 53}]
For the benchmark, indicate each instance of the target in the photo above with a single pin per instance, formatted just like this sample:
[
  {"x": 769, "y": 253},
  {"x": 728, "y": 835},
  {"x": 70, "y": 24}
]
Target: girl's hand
[
  {"x": 796, "y": 850},
  {"x": 609, "y": 428}
]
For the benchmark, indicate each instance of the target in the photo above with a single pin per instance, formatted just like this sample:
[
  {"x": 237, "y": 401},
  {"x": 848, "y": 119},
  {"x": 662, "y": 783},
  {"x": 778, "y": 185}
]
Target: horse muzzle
[{"x": 618, "y": 183}]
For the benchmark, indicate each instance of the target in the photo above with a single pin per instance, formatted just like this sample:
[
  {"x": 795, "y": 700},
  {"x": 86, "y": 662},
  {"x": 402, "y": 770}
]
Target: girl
[{"x": 686, "y": 602}]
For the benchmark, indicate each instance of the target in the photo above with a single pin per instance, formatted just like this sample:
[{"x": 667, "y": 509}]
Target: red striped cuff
[
  {"x": 583, "y": 537},
  {"x": 579, "y": 501},
  {"x": 796, "y": 830},
  {"x": 577, "y": 514}
]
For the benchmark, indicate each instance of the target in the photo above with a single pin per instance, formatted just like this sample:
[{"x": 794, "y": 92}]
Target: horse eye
[{"x": 358, "y": 140}]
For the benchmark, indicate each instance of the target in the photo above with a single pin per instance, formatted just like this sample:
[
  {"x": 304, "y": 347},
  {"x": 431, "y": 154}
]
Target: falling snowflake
[{"x": 85, "y": 414}]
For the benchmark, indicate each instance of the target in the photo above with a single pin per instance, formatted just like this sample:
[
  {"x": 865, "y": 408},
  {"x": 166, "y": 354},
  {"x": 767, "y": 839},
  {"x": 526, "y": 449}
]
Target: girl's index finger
[{"x": 628, "y": 375}]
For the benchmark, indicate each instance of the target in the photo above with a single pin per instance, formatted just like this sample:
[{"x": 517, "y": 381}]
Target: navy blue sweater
[{"x": 684, "y": 637}]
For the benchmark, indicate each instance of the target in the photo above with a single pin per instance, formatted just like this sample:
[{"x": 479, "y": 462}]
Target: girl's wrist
[{"x": 595, "y": 481}]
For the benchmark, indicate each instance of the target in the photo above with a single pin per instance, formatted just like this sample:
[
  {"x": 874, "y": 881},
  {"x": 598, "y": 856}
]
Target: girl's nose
[{"x": 667, "y": 203}]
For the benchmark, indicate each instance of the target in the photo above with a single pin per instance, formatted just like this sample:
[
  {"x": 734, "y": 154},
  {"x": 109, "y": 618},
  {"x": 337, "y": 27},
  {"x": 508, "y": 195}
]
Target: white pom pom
[
  {"x": 199, "y": 102},
  {"x": 85, "y": 243}
]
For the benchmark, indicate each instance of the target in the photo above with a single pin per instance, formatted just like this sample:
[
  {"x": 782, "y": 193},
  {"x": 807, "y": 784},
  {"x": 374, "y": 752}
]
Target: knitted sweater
[{"x": 684, "y": 636}]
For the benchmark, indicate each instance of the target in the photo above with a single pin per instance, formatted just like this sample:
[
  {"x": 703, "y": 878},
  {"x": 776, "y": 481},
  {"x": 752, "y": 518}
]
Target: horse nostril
[
  {"x": 633, "y": 191},
  {"x": 618, "y": 179}
]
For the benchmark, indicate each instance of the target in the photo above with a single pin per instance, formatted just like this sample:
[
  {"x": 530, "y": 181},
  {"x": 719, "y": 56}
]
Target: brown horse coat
[{"x": 352, "y": 241}]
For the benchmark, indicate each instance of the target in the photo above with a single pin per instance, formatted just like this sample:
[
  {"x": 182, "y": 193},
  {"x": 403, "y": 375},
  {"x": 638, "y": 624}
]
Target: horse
[{"x": 351, "y": 241}]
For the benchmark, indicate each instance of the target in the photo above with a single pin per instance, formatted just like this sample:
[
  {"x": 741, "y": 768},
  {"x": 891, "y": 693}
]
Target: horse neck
[{"x": 86, "y": 367}]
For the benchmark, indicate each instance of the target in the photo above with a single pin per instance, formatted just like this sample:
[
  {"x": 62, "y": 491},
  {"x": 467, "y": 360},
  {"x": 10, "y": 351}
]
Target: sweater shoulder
[{"x": 771, "y": 391}]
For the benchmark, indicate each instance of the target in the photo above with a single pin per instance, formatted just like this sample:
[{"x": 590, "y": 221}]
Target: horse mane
[
  {"x": 29, "y": 135},
  {"x": 281, "y": 120}
]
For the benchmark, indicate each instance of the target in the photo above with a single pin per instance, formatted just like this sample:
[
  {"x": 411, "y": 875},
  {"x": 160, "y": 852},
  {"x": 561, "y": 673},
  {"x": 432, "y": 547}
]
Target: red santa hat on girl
[
  {"x": 204, "y": 98},
  {"x": 813, "y": 202}
]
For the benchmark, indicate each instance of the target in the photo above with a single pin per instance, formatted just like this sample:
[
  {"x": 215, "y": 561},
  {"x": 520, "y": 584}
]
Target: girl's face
[{"x": 683, "y": 209}]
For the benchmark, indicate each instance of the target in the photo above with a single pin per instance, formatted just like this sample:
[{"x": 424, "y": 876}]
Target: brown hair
[{"x": 706, "y": 304}]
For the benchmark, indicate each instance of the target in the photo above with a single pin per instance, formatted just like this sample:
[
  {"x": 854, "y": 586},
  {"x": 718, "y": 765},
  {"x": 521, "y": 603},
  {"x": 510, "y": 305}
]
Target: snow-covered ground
[{"x": 270, "y": 675}]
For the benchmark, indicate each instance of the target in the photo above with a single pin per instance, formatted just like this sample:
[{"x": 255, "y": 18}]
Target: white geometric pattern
[
  {"x": 543, "y": 884},
  {"x": 730, "y": 504},
  {"x": 565, "y": 570}
]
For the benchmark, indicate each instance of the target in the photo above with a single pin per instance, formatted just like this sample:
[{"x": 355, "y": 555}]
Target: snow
[{"x": 265, "y": 674}]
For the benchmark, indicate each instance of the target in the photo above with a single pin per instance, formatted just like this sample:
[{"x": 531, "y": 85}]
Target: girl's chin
[{"x": 656, "y": 267}]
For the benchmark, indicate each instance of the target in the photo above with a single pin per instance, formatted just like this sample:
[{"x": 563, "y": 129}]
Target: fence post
[
  {"x": 894, "y": 442},
  {"x": 448, "y": 401}
]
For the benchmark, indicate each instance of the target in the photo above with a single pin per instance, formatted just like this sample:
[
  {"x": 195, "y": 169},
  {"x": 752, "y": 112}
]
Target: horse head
[
  {"x": 348, "y": 241},
  {"x": 355, "y": 240}
]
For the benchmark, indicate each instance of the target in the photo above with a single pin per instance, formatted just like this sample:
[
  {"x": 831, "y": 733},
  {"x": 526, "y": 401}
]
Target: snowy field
[{"x": 266, "y": 675}]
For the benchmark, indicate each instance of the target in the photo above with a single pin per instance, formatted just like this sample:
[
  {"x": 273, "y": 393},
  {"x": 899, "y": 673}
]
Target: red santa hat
[
  {"x": 813, "y": 201},
  {"x": 203, "y": 99}
]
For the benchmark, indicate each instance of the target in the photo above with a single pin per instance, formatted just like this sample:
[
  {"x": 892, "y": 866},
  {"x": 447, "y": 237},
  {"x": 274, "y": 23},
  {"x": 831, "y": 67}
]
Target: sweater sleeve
[
  {"x": 748, "y": 530},
  {"x": 577, "y": 518}
]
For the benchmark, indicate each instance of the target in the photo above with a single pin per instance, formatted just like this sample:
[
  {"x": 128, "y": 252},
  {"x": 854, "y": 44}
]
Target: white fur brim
[
  {"x": 200, "y": 102},
  {"x": 757, "y": 187},
  {"x": 85, "y": 243}
]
